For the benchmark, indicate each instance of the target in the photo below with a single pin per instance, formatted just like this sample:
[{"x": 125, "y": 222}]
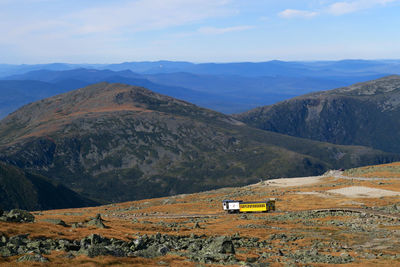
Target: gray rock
[
  {"x": 92, "y": 240},
  {"x": 3, "y": 240},
  {"x": 20, "y": 216},
  {"x": 163, "y": 250},
  {"x": 96, "y": 250},
  {"x": 18, "y": 240},
  {"x": 7, "y": 252},
  {"x": 77, "y": 225},
  {"x": 251, "y": 259},
  {"x": 152, "y": 251},
  {"x": 56, "y": 222},
  {"x": 34, "y": 245},
  {"x": 33, "y": 257},
  {"x": 221, "y": 244},
  {"x": 141, "y": 242},
  {"x": 67, "y": 245},
  {"x": 96, "y": 239},
  {"x": 97, "y": 221}
]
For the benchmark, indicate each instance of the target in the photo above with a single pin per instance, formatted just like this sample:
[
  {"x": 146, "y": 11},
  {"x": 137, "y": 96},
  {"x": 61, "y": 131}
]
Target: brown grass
[{"x": 288, "y": 199}]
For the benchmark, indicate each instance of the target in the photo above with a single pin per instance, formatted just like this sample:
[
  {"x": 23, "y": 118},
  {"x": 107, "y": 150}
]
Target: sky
[{"x": 113, "y": 31}]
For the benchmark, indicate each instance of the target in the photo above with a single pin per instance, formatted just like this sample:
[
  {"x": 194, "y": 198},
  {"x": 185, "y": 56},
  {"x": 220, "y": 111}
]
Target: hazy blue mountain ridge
[{"x": 211, "y": 85}]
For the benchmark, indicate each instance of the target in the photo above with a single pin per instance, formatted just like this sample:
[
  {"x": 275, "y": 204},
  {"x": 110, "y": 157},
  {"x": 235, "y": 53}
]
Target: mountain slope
[
  {"x": 24, "y": 190},
  {"x": 115, "y": 142},
  {"x": 362, "y": 114}
]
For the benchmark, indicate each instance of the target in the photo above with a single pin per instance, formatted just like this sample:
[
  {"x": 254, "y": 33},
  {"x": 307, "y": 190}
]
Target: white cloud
[
  {"x": 294, "y": 13},
  {"x": 99, "y": 28},
  {"x": 336, "y": 8},
  {"x": 113, "y": 18},
  {"x": 214, "y": 30},
  {"x": 144, "y": 15},
  {"x": 340, "y": 8}
]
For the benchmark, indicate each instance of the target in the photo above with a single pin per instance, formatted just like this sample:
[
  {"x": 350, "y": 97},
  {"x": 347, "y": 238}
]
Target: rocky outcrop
[
  {"x": 56, "y": 222},
  {"x": 202, "y": 249},
  {"x": 197, "y": 248},
  {"x": 33, "y": 257},
  {"x": 97, "y": 222},
  {"x": 16, "y": 215}
]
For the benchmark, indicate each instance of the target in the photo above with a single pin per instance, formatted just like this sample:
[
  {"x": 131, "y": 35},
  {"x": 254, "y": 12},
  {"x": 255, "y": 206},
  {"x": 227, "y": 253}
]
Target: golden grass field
[{"x": 371, "y": 240}]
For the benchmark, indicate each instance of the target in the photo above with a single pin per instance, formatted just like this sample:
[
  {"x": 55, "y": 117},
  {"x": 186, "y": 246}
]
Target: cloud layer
[{"x": 336, "y": 8}]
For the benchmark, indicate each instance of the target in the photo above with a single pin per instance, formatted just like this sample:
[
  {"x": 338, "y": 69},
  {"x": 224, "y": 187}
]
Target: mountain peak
[{"x": 96, "y": 101}]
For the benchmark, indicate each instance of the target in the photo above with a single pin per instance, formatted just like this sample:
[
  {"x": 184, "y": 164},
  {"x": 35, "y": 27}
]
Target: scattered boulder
[
  {"x": 97, "y": 221},
  {"x": 312, "y": 256},
  {"x": 251, "y": 259},
  {"x": 221, "y": 244},
  {"x": 153, "y": 251},
  {"x": 202, "y": 249},
  {"x": 56, "y": 222},
  {"x": 16, "y": 215},
  {"x": 33, "y": 257},
  {"x": 7, "y": 252},
  {"x": 77, "y": 225},
  {"x": 3, "y": 240},
  {"x": 197, "y": 226}
]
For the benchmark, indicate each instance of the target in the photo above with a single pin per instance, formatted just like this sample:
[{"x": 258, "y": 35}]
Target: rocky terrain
[
  {"x": 362, "y": 114},
  {"x": 115, "y": 142},
  {"x": 312, "y": 226}
]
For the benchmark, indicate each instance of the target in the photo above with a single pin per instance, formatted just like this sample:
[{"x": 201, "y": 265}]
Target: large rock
[
  {"x": 33, "y": 257},
  {"x": 221, "y": 244},
  {"x": 153, "y": 251},
  {"x": 97, "y": 221},
  {"x": 96, "y": 245},
  {"x": 3, "y": 240},
  {"x": 16, "y": 215},
  {"x": 56, "y": 222},
  {"x": 7, "y": 252},
  {"x": 215, "y": 250}
]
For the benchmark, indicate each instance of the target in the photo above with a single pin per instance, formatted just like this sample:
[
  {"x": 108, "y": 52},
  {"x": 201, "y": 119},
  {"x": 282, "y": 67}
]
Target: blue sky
[{"x": 111, "y": 31}]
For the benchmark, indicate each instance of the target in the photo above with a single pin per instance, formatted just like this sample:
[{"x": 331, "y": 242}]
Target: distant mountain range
[
  {"x": 248, "y": 69},
  {"x": 365, "y": 114},
  {"x": 218, "y": 86},
  {"x": 116, "y": 142}
]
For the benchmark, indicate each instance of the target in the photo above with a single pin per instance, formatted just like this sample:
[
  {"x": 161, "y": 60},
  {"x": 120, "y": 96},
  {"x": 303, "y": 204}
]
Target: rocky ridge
[{"x": 362, "y": 114}]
